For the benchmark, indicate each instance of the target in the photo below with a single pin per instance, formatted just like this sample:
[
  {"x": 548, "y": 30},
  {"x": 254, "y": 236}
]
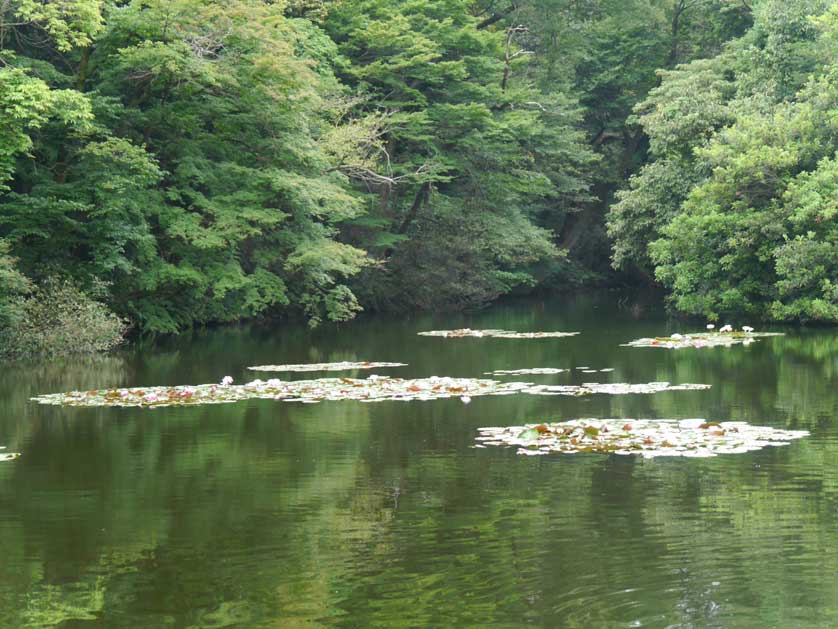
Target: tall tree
[{"x": 477, "y": 157}]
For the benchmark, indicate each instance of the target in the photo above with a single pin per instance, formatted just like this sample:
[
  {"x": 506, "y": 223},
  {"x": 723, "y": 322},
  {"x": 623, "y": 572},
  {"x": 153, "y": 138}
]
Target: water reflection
[{"x": 273, "y": 514}]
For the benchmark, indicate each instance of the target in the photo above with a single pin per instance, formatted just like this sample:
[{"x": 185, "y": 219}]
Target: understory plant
[{"x": 58, "y": 318}]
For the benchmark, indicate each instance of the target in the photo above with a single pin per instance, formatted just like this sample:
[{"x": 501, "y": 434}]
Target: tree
[
  {"x": 746, "y": 225},
  {"x": 477, "y": 158}
]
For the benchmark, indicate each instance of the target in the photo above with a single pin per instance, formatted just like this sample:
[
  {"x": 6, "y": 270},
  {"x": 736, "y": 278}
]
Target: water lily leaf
[
  {"x": 524, "y": 372},
  {"x": 8, "y": 456},
  {"x": 529, "y": 434},
  {"x": 342, "y": 366},
  {"x": 701, "y": 339},
  {"x": 372, "y": 389},
  {"x": 649, "y": 438},
  {"x": 500, "y": 334}
]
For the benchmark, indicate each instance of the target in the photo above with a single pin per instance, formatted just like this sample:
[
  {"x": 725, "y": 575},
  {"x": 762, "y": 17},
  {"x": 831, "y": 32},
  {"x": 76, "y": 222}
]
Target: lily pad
[
  {"x": 645, "y": 437},
  {"x": 372, "y": 389},
  {"x": 8, "y": 456},
  {"x": 499, "y": 334},
  {"x": 535, "y": 371},
  {"x": 342, "y": 366},
  {"x": 701, "y": 339},
  {"x": 611, "y": 388}
]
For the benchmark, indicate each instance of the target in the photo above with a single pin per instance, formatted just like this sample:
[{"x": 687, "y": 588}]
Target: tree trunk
[{"x": 419, "y": 200}]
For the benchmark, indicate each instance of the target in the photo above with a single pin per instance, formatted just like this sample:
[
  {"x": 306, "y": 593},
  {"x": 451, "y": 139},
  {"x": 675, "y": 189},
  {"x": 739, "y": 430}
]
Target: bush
[{"x": 59, "y": 318}]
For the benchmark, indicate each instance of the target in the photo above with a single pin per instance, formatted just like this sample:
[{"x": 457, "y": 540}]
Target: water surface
[{"x": 273, "y": 514}]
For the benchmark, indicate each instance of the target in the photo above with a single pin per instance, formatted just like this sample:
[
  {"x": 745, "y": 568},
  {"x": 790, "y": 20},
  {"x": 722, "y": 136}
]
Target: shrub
[{"x": 59, "y": 318}]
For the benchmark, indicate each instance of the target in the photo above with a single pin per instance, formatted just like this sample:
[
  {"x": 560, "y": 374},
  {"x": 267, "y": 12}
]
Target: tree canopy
[{"x": 194, "y": 161}]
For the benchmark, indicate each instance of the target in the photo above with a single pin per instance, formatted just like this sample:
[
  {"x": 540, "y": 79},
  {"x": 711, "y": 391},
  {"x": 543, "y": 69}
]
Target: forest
[{"x": 166, "y": 164}]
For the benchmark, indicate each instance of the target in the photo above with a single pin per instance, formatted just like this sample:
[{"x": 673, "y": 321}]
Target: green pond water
[{"x": 275, "y": 514}]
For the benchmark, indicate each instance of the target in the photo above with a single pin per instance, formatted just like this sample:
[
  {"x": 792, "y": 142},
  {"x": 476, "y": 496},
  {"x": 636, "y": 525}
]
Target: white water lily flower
[
  {"x": 465, "y": 399},
  {"x": 676, "y": 337},
  {"x": 747, "y": 329},
  {"x": 710, "y": 326},
  {"x": 227, "y": 380}
]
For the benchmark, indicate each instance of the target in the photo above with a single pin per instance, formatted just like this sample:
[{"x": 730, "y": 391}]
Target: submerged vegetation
[{"x": 186, "y": 162}]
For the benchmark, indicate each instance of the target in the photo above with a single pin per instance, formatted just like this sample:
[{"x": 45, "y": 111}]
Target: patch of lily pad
[
  {"x": 648, "y": 438},
  {"x": 611, "y": 388},
  {"x": 701, "y": 339},
  {"x": 498, "y": 334},
  {"x": 535, "y": 371},
  {"x": 542, "y": 371},
  {"x": 8, "y": 456},
  {"x": 341, "y": 366},
  {"x": 372, "y": 389}
]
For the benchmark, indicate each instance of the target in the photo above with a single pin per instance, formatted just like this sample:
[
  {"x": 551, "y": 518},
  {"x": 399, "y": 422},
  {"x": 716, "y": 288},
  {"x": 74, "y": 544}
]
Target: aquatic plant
[
  {"x": 539, "y": 371},
  {"x": 372, "y": 389},
  {"x": 616, "y": 388},
  {"x": 498, "y": 334},
  {"x": 725, "y": 337},
  {"x": 342, "y": 366},
  {"x": 8, "y": 456},
  {"x": 646, "y": 437}
]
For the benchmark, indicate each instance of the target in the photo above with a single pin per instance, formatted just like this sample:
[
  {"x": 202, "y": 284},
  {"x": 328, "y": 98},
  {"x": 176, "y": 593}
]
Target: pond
[{"x": 264, "y": 513}]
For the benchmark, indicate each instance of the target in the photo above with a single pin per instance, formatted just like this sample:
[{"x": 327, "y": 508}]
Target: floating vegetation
[
  {"x": 8, "y": 456},
  {"x": 647, "y": 437},
  {"x": 725, "y": 337},
  {"x": 615, "y": 388},
  {"x": 541, "y": 371},
  {"x": 499, "y": 334},
  {"x": 537, "y": 371},
  {"x": 342, "y": 366},
  {"x": 372, "y": 389}
]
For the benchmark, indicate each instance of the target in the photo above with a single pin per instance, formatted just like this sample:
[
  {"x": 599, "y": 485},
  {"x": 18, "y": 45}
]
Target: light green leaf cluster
[{"x": 736, "y": 211}]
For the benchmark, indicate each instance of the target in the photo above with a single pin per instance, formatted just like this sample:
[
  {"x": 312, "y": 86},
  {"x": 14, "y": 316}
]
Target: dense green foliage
[
  {"x": 57, "y": 318},
  {"x": 736, "y": 211},
  {"x": 212, "y": 161}
]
